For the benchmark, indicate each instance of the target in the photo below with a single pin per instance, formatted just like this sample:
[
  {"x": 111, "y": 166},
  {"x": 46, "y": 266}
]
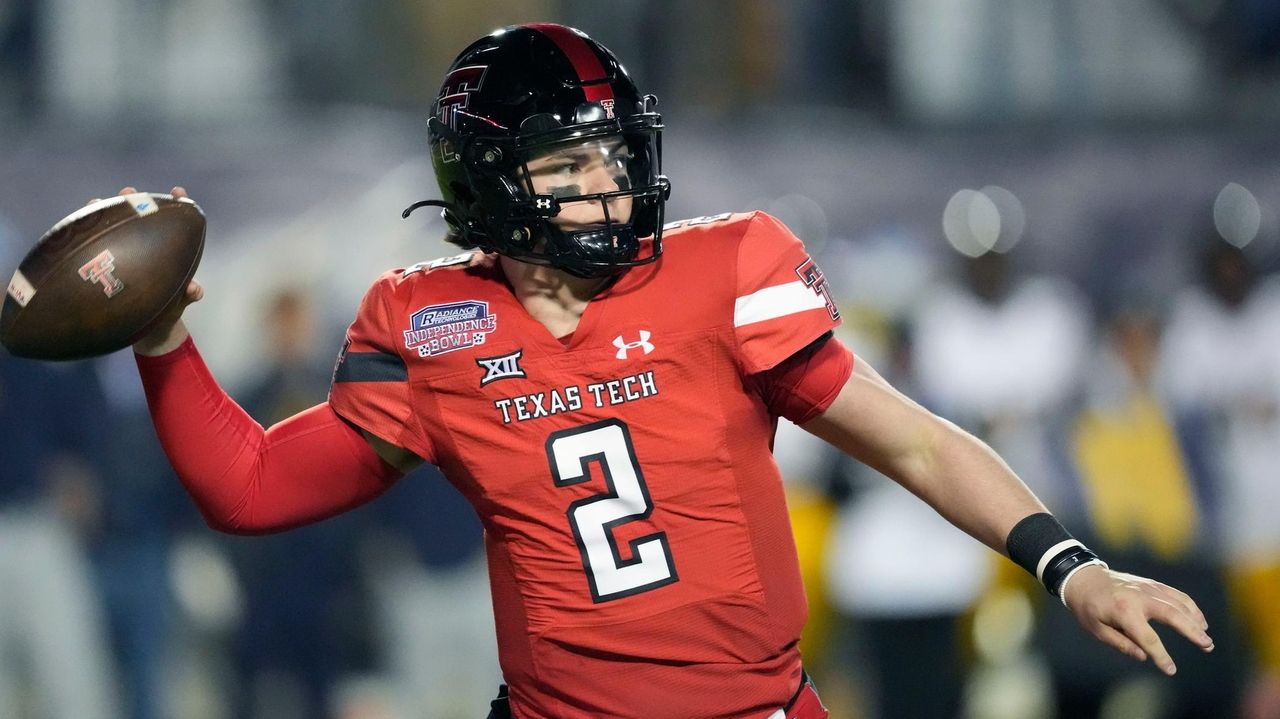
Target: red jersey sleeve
[
  {"x": 805, "y": 384},
  {"x": 782, "y": 303},
  {"x": 371, "y": 381}
]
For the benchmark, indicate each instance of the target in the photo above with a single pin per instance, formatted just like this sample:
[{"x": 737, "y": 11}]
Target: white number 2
[{"x": 571, "y": 452}]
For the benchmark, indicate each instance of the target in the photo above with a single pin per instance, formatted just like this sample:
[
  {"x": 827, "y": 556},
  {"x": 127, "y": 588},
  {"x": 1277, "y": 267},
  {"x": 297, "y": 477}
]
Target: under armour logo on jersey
[
  {"x": 504, "y": 367},
  {"x": 99, "y": 270},
  {"x": 623, "y": 346}
]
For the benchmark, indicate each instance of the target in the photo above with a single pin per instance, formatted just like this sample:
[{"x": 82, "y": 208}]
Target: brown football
[{"x": 99, "y": 278}]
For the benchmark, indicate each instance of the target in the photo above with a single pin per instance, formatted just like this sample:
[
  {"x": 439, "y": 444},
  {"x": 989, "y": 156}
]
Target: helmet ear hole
[
  {"x": 462, "y": 193},
  {"x": 485, "y": 156},
  {"x": 519, "y": 237}
]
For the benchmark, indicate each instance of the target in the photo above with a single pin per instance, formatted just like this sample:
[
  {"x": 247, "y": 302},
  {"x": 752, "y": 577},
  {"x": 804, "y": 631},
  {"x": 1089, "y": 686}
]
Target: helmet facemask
[{"x": 586, "y": 198}]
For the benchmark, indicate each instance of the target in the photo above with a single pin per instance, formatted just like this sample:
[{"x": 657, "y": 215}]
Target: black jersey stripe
[{"x": 371, "y": 367}]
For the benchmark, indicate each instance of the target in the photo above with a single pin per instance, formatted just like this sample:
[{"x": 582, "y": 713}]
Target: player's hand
[
  {"x": 168, "y": 332},
  {"x": 1117, "y": 608}
]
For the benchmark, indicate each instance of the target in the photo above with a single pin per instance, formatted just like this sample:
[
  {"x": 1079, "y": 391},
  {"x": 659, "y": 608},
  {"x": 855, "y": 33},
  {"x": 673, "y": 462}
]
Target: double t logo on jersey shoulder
[
  {"x": 503, "y": 367},
  {"x": 813, "y": 278}
]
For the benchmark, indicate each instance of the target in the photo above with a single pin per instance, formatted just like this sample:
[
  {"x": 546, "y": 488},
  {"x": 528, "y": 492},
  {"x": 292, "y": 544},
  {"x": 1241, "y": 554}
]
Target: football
[{"x": 98, "y": 279}]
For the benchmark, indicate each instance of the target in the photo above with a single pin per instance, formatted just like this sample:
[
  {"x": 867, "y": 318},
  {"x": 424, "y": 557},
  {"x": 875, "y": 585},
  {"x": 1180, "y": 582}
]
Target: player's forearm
[
  {"x": 245, "y": 479},
  {"x": 954, "y": 472},
  {"x": 962, "y": 478}
]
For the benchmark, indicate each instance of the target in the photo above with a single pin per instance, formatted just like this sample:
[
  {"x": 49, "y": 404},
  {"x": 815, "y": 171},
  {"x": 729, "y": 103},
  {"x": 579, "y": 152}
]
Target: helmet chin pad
[{"x": 595, "y": 251}]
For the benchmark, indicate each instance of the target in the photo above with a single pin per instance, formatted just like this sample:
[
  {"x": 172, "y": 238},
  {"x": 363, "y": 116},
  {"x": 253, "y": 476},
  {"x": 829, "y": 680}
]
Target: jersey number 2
[{"x": 571, "y": 452}]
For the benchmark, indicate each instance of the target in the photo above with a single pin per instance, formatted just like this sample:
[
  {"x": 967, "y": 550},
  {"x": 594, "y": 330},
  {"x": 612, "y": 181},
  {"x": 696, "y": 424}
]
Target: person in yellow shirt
[{"x": 1143, "y": 496}]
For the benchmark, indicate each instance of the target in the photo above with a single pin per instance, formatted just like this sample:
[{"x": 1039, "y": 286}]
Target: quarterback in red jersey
[
  {"x": 604, "y": 390},
  {"x": 634, "y": 517}
]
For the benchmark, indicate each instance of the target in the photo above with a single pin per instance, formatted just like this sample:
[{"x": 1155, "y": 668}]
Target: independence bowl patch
[{"x": 437, "y": 329}]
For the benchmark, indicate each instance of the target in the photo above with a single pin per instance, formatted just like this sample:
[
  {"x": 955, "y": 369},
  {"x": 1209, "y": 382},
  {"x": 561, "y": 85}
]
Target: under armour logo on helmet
[
  {"x": 544, "y": 202},
  {"x": 623, "y": 346}
]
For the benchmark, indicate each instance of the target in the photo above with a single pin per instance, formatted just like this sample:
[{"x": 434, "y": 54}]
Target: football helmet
[{"x": 548, "y": 96}]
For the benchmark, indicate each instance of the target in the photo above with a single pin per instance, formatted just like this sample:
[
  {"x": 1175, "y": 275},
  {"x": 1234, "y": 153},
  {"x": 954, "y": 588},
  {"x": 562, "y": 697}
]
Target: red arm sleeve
[
  {"x": 247, "y": 480},
  {"x": 804, "y": 385}
]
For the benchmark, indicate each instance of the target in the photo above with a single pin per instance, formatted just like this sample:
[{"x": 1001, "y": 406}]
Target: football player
[{"x": 604, "y": 390}]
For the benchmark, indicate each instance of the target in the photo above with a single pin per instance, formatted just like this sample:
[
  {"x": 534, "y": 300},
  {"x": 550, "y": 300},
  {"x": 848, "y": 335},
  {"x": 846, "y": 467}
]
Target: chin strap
[
  {"x": 448, "y": 208},
  {"x": 450, "y": 214}
]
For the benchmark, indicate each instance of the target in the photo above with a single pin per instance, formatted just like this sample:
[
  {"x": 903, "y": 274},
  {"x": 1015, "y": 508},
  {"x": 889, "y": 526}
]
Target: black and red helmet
[{"x": 518, "y": 94}]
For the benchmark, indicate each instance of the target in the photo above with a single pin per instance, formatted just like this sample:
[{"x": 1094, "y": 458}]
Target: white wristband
[
  {"x": 1052, "y": 552},
  {"x": 1062, "y": 586}
]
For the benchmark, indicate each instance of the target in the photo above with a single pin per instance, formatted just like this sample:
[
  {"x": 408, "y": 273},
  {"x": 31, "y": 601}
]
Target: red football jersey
[{"x": 639, "y": 549}]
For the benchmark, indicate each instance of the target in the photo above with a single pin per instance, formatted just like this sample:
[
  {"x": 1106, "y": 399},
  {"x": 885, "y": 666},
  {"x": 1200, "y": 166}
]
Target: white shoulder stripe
[{"x": 774, "y": 302}]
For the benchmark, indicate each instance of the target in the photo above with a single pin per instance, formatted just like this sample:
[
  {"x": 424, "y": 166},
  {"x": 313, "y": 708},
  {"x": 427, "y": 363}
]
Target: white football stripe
[
  {"x": 85, "y": 211},
  {"x": 20, "y": 289},
  {"x": 776, "y": 301},
  {"x": 143, "y": 203}
]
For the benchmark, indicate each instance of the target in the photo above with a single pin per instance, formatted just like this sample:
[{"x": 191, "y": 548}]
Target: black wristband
[
  {"x": 1061, "y": 565},
  {"x": 1042, "y": 546}
]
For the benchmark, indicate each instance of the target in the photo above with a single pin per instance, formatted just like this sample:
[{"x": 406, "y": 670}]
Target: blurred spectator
[
  {"x": 904, "y": 603},
  {"x": 1143, "y": 501},
  {"x": 305, "y": 624},
  {"x": 295, "y": 373},
  {"x": 19, "y": 74},
  {"x": 1000, "y": 354},
  {"x": 54, "y": 659},
  {"x": 1220, "y": 364},
  {"x": 432, "y": 612},
  {"x": 143, "y": 506}
]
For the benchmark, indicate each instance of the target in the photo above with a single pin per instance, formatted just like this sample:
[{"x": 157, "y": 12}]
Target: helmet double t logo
[{"x": 455, "y": 94}]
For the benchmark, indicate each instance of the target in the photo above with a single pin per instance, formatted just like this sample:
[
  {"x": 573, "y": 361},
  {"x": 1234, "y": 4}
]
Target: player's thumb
[{"x": 194, "y": 293}]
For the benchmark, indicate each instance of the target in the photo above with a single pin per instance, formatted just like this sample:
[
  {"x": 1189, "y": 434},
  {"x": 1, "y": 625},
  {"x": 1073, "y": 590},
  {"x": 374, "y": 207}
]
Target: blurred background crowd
[{"x": 1052, "y": 221}]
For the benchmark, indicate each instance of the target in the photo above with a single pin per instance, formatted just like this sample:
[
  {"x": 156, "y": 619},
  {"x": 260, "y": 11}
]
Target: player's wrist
[
  {"x": 1042, "y": 546},
  {"x": 1062, "y": 587},
  {"x": 162, "y": 340}
]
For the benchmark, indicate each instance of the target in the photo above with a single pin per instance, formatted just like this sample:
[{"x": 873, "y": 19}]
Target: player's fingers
[
  {"x": 1141, "y": 633},
  {"x": 195, "y": 292},
  {"x": 1184, "y": 623},
  {"x": 1168, "y": 595},
  {"x": 178, "y": 191},
  {"x": 1119, "y": 642},
  {"x": 1183, "y": 600},
  {"x": 127, "y": 190}
]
